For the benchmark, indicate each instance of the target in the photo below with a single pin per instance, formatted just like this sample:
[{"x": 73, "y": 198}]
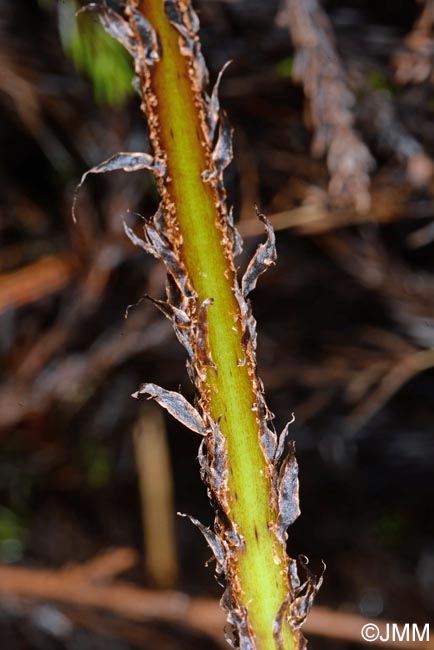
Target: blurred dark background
[{"x": 332, "y": 107}]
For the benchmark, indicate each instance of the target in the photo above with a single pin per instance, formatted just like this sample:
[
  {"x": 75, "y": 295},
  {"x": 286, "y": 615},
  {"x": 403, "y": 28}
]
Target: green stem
[
  {"x": 261, "y": 566},
  {"x": 251, "y": 478}
]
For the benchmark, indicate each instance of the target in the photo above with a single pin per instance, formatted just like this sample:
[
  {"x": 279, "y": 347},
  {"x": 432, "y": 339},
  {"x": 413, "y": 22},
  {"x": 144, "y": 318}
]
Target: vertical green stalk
[
  {"x": 232, "y": 392},
  {"x": 252, "y": 481}
]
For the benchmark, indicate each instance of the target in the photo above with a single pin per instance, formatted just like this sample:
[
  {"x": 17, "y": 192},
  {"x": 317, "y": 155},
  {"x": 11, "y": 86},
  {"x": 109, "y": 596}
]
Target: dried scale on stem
[{"x": 251, "y": 473}]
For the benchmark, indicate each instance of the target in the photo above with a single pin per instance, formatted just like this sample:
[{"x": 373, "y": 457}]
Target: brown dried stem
[
  {"x": 329, "y": 111},
  {"x": 414, "y": 63},
  {"x": 156, "y": 493},
  {"x": 93, "y": 585}
]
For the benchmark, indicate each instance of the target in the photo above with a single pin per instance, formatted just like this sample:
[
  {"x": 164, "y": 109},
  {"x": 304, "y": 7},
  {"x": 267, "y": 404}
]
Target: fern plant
[{"x": 250, "y": 472}]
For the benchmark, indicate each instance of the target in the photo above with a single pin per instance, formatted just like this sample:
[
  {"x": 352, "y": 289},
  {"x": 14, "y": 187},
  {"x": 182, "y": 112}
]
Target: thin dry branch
[
  {"x": 156, "y": 493},
  {"x": 42, "y": 278},
  {"x": 330, "y": 102},
  {"x": 390, "y": 383},
  {"x": 314, "y": 217},
  {"x": 65, "y": 379},
  {"x": 414, "y": 63},
  {"x": 378, "y": 113},
  {"x": 88, "y": 586},
  {"x": 407, "y": 293}
]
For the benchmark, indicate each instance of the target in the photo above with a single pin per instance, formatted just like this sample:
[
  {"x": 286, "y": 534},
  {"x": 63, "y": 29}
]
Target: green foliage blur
[
  {"x": 95, "y": 54},
  {"x": 12, "y": 536},
  {"x": 284, "y": 69},
  {"x": 96, "y": 462}
]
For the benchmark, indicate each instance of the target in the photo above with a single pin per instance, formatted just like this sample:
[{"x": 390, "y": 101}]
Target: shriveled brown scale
[
  {"x": 173, "y": 264},
  {"x": 241, "y": 636},
  {"x": 251, "y": 328},
  {"x": 294, "y": 578},
  {"x": 213, "y": 542},
  {"x": 147, "y": 49},
  {"x": 246, "y": 640},
  {"x": 177, "y": 17},
  {"x": 137, "y": 87},
  {"x": 192, "y": 16},
  {"x": 213, "y": 112},
  {"x": 147, "y": 36},
  {"x": 244, "y": 310},
  {"x": 201, "y": 350},
  {"x": 222, "y": 153},
  {"x": 175, "y": 404},
  {"x": 175, "y": 296},
  {"x": 278, "y": 623},
  {"x": 127, "y": 162},
  {"x": 300, "y": 606},
  {"x": 234, "y": 235},
  {"x": 235, "y": 540},
  {"x": 205, "y": 473},
  {"x": 138, "y": 241},
  {"x": 263, "y": 258},
  {"x": 287, "y": 486},
  {"x": 122, "y": 161},
  {"x": 158, "y": 220},
  {"x": 218, "y": 465},
  {"x": 185, "y": 20},
  {"x": 114, "y": 25},
  {"x": 181, "y": 323},
  {"x": 282, "y": 439},
  {"x": 177, "y": 316},
  {"x": 268, "y": 438}
]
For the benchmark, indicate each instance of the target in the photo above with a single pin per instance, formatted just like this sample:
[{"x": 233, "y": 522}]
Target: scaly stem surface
[
  {"x": 251, "y": 474},
  {"x": 232, "y": 396}
]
